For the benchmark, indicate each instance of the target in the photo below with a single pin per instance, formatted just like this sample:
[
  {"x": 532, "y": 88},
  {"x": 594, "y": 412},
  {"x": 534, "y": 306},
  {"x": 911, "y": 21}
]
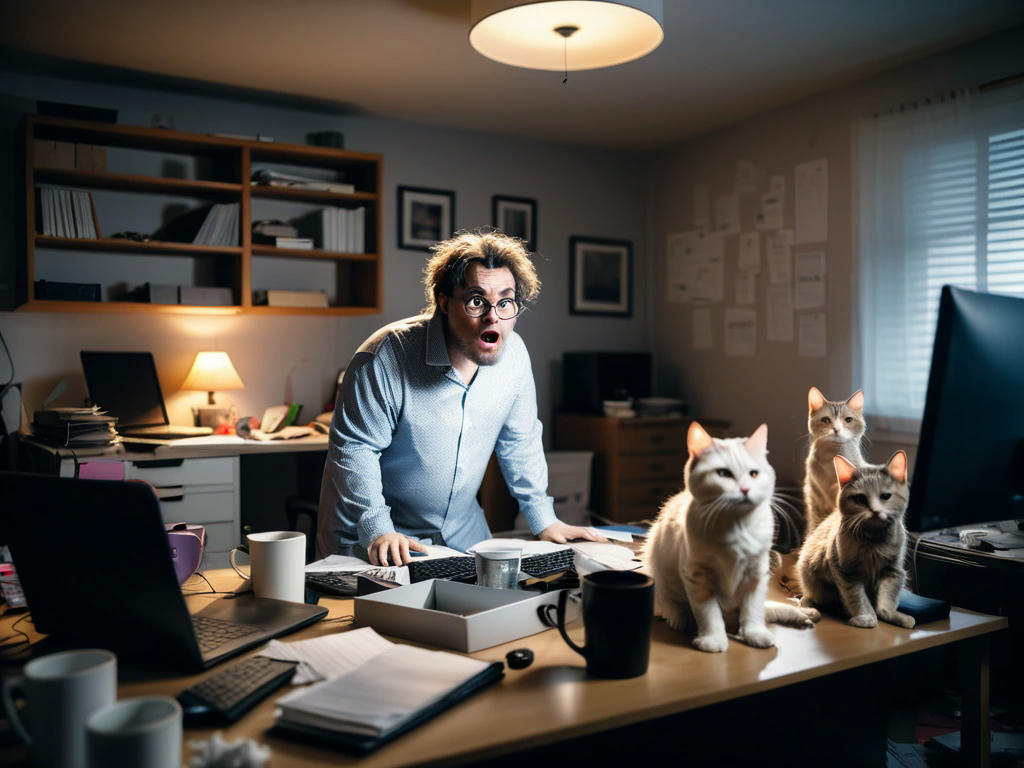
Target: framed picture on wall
[
  {"x": 516, "y": 216},
  {"x": 600, "y": 277},
  {"x": 425, "y": 217}
]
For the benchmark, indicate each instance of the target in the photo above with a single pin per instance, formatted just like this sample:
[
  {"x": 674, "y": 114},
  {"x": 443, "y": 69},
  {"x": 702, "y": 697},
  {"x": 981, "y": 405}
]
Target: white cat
[{"x": 708, "y": 549}]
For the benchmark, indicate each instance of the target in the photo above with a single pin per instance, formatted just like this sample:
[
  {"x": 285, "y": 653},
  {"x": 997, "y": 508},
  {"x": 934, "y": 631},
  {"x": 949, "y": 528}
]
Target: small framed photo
[
  {"x": 425, "y": 217},
  {"x": 600, "y": 277},
  {"x": 516, "y": 216}
]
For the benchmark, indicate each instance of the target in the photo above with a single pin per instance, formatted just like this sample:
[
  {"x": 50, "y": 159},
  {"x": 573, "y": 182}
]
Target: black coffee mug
[{"x": 618, "y": 608}]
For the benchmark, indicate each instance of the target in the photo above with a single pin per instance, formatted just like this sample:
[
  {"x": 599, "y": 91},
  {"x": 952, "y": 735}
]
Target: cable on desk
[
  {"x": 210, "y": 591},
  {"x": 22, "y": 646}
]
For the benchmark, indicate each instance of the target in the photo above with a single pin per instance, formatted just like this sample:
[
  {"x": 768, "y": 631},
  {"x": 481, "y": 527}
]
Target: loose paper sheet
[
  {"x": 740, "y": 332},
  {"x": 770, "y": 215},
  {"x": 778, "y": 249},
  {"x": 682, "y": 264},
  {"x": 727, "y": 214},
  {"x": 746, "y": 176},
  {"x": 750, "y": 252},
  {"x": 702, "y": 328},
  {"x": 811, "y": 190},
  {"x": 328, "y": 656},
  {"x": 777, "y": 186},
  {"x": 780, "y": 312},
  {"x": 701, "y": 206},
  {"x": 812, "y": 335},
  {"x": 745, "y": 286},
  {"x": 810, "y": 280},
  {"x": 712, "y": 278}
]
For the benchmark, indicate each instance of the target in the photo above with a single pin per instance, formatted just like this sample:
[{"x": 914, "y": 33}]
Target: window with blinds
[{"x": 941, "y": 201}]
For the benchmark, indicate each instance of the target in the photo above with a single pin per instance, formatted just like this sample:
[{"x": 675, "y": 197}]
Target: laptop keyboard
[{"x": 212, "y": 633}]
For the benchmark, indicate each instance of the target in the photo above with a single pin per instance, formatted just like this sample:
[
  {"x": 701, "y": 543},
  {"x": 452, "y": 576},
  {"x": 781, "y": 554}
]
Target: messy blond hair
[{"x": 446, "y": 269}]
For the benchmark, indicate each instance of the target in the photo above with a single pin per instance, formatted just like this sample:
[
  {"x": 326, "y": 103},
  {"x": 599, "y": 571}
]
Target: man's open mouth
[{"x": 489, "y": 337}]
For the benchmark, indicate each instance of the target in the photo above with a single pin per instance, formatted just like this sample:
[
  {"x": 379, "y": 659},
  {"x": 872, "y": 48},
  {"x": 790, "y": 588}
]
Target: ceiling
[{"x": 721, "y": 61}]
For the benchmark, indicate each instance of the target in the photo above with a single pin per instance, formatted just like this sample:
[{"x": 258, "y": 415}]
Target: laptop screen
[{"x": 124, "y": 384}]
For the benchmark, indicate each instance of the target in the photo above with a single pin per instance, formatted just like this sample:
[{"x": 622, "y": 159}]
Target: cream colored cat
[
  {"x": 708, "y": 549},
  {"x": 836, "y": 428}
]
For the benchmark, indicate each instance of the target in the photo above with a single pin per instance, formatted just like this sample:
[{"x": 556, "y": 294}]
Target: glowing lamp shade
[
  {"x": 212, "y": 371},
  {"x": 565, "y": 34}
]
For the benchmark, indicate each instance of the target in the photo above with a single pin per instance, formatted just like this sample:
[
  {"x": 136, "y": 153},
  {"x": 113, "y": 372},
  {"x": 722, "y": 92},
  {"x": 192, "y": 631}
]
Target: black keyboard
[
  {"x": 228, "y": 694},
  {"x": 349, "y": 584},
  {"x": 212, "y": 633},
  {"x": 460, "y": 568}
]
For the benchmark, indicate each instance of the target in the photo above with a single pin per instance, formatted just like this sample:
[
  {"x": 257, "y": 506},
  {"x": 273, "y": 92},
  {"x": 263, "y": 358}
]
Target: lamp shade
[
  {"x": 212, "y": 371},
  {"x": 565, "y": 34}
]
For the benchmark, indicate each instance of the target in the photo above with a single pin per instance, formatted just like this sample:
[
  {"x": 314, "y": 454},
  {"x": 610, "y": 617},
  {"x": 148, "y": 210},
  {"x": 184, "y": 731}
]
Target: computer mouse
[{"x": 519, "y": 658}]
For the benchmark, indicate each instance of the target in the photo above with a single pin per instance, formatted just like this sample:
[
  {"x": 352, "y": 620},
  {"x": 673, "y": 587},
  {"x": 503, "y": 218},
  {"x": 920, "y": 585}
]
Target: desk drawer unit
[
  {"x": 201, "y": 491},
  {"x": 638, "y": 463}
]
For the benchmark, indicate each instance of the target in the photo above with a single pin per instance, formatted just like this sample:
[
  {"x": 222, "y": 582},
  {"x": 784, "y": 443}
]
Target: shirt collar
[{"x": 437, "y": 349}]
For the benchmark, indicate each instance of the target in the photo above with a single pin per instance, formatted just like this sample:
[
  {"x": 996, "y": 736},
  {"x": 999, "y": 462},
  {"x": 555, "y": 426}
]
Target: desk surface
[
  {"x": 189, "y": 448},
  {"x": 553, "y": 699}
]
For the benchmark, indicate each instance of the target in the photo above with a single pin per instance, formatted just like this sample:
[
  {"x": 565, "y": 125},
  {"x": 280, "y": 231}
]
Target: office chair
[{"x": 296, "y": 506}]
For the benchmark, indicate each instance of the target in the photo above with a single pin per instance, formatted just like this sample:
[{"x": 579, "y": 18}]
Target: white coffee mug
[
  {"x": 278, "y": 565},
  {"x": 143, "y": 732},
  {"x": 60, "y": 691}
]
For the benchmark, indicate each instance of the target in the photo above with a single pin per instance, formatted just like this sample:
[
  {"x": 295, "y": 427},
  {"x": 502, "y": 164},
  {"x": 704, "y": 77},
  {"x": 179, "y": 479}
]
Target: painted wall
[
  {"x": 771, "y": 386},
  {"x": 578, "y": 192}
]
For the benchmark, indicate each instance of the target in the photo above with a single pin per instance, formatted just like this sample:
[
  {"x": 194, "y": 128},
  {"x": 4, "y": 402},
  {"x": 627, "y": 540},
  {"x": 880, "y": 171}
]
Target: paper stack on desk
[{"x": 364, "y": 707}]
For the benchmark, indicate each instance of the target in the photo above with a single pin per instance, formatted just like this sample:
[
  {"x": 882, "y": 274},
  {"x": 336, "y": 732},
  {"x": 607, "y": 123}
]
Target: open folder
[{"x": 363, "y": 709}]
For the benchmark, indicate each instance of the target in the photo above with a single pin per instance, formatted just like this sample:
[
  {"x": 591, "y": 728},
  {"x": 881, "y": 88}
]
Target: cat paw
[
  {"x": 711, "y": 643},
  {"x": 758, "y": 637},
  {"x": 813, "y": 615},
  {"x": 899, "y": 619},
  {"x": 865, "y": 620},
  {"x": 676, "y": 622}
]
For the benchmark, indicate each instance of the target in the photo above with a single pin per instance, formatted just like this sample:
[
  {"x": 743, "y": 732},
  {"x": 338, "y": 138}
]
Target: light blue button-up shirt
[{"x": 410, "y": 441}]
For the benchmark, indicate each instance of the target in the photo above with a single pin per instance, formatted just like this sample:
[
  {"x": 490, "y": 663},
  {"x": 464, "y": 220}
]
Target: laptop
[
  {"x": 125, "y": 385},
  {"x": 95, "y": 566}
]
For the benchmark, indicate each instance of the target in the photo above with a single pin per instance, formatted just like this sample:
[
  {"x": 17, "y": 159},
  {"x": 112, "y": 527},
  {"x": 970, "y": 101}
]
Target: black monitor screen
[
  {"x": 970, "y": 461},
  {"x": 124, "y": 384}
]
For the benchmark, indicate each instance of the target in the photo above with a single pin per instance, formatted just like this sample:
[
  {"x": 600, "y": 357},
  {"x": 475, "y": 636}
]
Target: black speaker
[{"x": 588, "y": 378}]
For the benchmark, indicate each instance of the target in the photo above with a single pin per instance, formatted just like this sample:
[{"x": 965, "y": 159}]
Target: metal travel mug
[{"x": 618, "y": 608}]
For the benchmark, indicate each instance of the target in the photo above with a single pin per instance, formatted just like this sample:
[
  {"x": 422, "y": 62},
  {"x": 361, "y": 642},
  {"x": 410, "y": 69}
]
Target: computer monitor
[{"x": 970, "y": 459}]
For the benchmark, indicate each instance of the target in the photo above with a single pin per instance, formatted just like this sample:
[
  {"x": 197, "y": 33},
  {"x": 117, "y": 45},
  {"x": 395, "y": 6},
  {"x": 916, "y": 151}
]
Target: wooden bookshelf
[{"x": 203, "y": 169}]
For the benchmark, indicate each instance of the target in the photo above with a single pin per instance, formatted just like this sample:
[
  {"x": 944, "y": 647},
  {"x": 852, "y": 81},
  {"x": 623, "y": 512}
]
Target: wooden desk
[{"x": 553, "y": 700}]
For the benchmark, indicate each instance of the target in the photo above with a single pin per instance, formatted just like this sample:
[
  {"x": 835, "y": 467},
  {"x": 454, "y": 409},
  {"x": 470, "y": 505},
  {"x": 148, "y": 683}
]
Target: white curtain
[{"x": 941, "y": 200}]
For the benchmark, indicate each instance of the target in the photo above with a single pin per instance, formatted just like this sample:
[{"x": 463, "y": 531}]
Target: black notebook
[{"x": 361, "y": 710}]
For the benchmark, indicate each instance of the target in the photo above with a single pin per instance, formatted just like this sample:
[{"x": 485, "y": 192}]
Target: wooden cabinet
[
  {"x": 638, "y": 463},
  {"x": 139, "y": 178}
]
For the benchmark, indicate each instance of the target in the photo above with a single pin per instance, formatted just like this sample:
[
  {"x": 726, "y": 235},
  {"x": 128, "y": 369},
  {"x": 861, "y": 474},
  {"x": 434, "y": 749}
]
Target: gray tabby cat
[
  {"x": 708, "y": 549},
  {"x": 855, "y": 557},
  {"x": 836, "y": 429}
]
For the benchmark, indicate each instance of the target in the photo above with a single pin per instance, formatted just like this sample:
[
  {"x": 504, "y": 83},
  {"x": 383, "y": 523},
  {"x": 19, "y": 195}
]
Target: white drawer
[
  {"x": 220, "y": 470},
  {"x": 199, "y": 508},
  {"x": 220, "y": 537}
]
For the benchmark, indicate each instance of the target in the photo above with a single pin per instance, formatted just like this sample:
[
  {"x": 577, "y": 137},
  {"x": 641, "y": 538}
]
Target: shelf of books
[{"x": 126, "y": 218}]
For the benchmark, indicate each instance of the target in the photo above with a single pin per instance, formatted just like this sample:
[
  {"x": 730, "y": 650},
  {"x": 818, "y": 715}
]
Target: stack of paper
[{"x": 75, "y": 427}]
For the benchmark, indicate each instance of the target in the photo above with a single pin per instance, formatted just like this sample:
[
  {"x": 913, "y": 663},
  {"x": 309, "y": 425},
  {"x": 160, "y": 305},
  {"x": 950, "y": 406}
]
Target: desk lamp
[{"x": 212, "y": 371}]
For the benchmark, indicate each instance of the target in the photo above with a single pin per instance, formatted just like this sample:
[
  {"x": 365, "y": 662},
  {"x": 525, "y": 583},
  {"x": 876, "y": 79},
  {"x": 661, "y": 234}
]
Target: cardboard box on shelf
[{"x": 53, "y": 154}]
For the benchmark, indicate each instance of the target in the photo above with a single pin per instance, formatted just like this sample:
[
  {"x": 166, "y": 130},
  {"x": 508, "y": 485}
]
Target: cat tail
[{"x": 790, "y": 615}]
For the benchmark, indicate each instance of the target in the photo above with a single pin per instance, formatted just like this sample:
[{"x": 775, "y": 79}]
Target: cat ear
[
  {"x": 897, "y": 467},
  {"x": 815, "y": 400},
  {"x": 856, "y": 400},
  {"x": 697, "y": 439},
  {"x": 844, "y": 470},
  {"x": 757, "y": 443}
]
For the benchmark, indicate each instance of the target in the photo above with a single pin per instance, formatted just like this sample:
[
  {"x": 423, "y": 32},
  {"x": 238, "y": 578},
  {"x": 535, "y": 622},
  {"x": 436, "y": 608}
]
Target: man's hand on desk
[
  {"x": 393, "y": 549},
  {"x": 560, "y": 533}
]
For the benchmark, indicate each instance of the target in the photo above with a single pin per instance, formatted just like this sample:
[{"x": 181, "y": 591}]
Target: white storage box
[
  {"x": 450, "y": 614},
  {"x": 569, "y": 477}
]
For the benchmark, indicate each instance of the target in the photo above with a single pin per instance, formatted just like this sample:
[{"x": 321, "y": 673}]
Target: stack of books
[
  {"x": 66, "y": 213},
  {"x": 215, "y": 224},
  {"x": 278, "y": 179},
  {"x": 336, "y": 229},
  {"x": 75, "y": 427}
]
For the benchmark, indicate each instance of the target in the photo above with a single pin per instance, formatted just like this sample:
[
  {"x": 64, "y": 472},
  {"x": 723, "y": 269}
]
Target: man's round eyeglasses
[{"x": 506, "y": 309}]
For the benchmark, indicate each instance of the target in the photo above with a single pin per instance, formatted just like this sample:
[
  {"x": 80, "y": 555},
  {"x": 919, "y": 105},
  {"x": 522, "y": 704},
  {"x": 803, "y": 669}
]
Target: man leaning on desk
[{"x": 424, "y": 403}]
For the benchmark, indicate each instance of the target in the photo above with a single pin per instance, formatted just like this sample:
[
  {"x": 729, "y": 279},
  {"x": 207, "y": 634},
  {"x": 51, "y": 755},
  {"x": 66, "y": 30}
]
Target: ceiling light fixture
[{"x": 565, "y": 34}]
